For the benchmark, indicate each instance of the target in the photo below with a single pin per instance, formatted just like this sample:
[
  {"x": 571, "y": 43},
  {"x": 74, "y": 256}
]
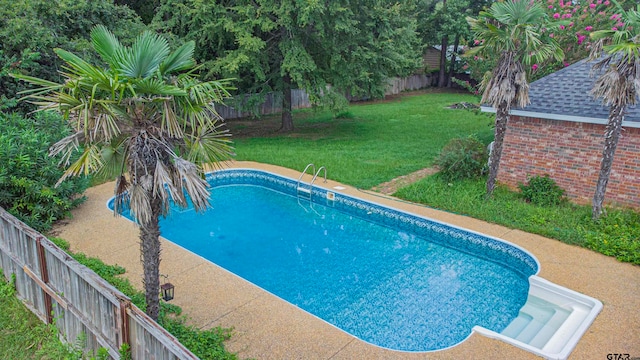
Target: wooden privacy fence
[
  {"x": 413, "y": 82},
  {"x": 82, "y": 305},
  {"x": 272, "y": 103}
]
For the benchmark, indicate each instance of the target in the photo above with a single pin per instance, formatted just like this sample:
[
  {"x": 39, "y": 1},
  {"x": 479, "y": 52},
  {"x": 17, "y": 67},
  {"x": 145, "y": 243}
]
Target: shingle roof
[{"x": 567, "y": 93}]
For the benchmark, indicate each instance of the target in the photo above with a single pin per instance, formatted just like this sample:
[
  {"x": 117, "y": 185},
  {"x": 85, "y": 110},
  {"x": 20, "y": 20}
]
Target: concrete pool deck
[{"x": 267, "y": 327}]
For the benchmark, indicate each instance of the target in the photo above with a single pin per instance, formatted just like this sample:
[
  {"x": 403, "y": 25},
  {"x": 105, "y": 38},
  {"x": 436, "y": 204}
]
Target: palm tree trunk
[
  {"x": 612, "y": 135},
  {"x": 287, "y": 118},
  {"x": 502, "y": 117},
  {"x": 150, "y": 250}
]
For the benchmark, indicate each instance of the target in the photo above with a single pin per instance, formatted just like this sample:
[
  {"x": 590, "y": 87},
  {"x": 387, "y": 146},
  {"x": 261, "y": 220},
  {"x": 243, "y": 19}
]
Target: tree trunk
[
  {"x": 612, "y": 135},
  {"x": 502, "y": 117},
  {"x": 287, "y": 118},
  {"x": 442, "y": 75},
  {"x": 150, "y": 250},
  {"x": 452, "y": 64}
]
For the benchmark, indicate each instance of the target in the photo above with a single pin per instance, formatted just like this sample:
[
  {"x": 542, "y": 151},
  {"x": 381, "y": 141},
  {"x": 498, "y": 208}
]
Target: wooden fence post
[
  {"x": 123, "y": 317},
  {"x": 44, "y": 275}
]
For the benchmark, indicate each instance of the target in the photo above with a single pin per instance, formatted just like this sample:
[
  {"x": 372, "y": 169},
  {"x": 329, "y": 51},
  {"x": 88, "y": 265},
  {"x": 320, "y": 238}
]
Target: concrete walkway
[{"x": 267, "y": 327}]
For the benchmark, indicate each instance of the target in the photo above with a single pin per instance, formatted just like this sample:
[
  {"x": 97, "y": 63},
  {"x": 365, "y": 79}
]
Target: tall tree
[
  {"x": 147, "y": 116},
  {"x": 326, "y": 48},
  {"x": 511, "y": 30},
  {"x": 618, "y": 64},
  {"x": 441, "y": 21}
]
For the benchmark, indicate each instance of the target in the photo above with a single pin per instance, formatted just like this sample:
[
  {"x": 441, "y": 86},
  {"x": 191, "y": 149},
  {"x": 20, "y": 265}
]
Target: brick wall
[{"x": 570, "y": 153}]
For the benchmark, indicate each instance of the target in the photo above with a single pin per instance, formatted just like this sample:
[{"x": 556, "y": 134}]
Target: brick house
[{"x": 561, "y": 133}]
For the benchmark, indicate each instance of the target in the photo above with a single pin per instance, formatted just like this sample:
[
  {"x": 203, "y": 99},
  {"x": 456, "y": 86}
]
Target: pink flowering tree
[
  {"x": 580, "y": 19},
  {"x": 571, "y": 23}
]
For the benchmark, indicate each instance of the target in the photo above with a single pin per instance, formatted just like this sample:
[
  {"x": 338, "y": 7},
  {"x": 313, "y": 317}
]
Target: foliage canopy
[{"x": 328, "y": 49}]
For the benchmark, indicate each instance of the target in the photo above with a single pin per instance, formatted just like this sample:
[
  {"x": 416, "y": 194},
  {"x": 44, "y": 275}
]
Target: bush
[
  {"x": 28, "y": 174},
  {"x": 542, "y": 190},
  {"x": 462, "y": 158}
]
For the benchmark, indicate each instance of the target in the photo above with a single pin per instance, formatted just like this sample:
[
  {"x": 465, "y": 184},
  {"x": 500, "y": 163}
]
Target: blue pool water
[{"x": 389, "y": 278}]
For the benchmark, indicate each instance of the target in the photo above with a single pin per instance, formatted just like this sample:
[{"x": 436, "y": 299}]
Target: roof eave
[{"x": 561, "y": 117}]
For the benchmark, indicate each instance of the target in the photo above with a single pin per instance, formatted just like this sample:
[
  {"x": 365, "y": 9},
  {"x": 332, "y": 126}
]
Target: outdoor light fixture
[{"x": 167, "y": 289}]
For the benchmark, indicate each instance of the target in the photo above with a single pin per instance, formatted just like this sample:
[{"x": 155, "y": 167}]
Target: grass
[
  {"x": 377, "y": 142},
  {"x": 372, "y": 143},
  {"x": 617, "y": 234},
  {"x": 23, "y": 335}
]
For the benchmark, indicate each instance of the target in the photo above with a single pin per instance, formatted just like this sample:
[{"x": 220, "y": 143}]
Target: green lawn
[{"x": 374, "y": 143}]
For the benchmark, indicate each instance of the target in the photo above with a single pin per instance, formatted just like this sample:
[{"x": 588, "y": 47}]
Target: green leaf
[
  {"x": 154, "y": 86},
  {"x": 144, "y": 56},
  {"x": 105, "y": 43},
  {"x": 179, "y": 60}
]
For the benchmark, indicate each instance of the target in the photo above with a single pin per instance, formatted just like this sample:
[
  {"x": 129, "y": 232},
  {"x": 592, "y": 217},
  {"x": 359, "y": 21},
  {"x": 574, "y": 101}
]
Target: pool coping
[{"x": 266, "y": 327}]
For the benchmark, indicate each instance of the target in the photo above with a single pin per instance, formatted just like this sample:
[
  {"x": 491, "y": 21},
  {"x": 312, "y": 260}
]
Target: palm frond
[
  {"x": 81, "y": 68},
  {"x": 154, "y": 86},
  {"x": 113, "y": 156},
  {"x": 170, "y": 124},
  {"x": 121, "y": 195},
  {"x": 211, "y": 144},
  {"x": 143, "y": 57},
  {"x": 66, "y": 146},
  {"x": 162, "y": 185},
  {"x": 139, "y": 203},
  {"x": 179, "y": 60},
  {"x": 193, "y": 183},
  {"x": 105, "y": 43},
  {"x": 44, "y": 85},
  {"x": 88, "y": 162}
]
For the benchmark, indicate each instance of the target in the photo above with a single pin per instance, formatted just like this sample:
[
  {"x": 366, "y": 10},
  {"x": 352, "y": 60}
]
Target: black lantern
[{"x": 167, "y": 290}]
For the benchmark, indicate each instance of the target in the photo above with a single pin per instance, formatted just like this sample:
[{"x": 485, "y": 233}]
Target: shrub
[
  {"x": 462, "y": 158},
  {"x": 542, "y": 190},
  {"x": 28, "y": 174}
]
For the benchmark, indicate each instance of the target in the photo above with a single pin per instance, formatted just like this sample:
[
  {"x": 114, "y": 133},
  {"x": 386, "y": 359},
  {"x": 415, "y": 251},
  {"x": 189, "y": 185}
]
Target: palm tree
[
  {"x": 514, "y": 31},
  {"x": 618, "y": 85},
  {"x": 144, "y": 119}
]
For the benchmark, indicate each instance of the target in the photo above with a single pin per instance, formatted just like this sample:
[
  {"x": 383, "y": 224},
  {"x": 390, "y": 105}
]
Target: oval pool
[{"x": 390, "y": 278}]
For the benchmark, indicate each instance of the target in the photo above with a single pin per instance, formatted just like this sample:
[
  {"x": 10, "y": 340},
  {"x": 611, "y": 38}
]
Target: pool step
[
  {"x": 537, "y": 322},
  {"x": 551, "y": 322}
]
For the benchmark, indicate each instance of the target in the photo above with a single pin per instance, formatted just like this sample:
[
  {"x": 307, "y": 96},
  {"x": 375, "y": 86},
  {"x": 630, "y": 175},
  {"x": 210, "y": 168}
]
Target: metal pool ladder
[{"x": 304, "y": 190}]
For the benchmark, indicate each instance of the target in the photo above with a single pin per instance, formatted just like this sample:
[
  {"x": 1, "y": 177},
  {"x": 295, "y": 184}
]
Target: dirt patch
[
  {"x": 392, "y": 186},
  {"x": 465, "y": 105}
]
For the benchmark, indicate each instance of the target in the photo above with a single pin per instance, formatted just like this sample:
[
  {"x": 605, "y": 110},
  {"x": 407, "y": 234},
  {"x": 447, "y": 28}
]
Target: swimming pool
[{"x": 390, "y": 278}]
